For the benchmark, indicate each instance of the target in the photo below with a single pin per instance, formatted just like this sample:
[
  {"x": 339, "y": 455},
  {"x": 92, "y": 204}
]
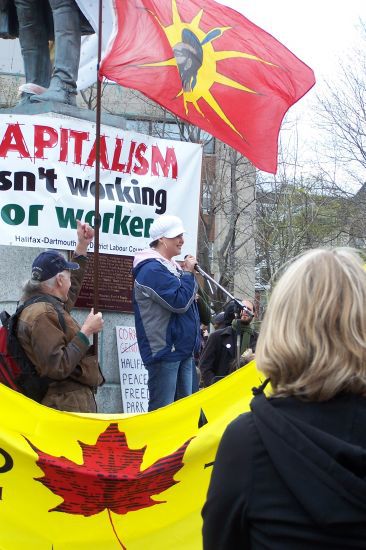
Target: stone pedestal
[{"x": 59, "y": 109}]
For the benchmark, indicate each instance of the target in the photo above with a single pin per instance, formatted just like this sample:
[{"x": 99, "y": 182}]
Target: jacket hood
[
  {"x": 325, "y": 472},
  {"x": 152, "y": 254},
  {"x": 149, "y": 254}
]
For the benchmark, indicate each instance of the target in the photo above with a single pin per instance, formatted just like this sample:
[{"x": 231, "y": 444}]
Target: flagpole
[{"x": 97, "y": 177}]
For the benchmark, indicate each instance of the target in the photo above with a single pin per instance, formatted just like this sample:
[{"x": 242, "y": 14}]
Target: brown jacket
[{"x": 64, "y": 357}]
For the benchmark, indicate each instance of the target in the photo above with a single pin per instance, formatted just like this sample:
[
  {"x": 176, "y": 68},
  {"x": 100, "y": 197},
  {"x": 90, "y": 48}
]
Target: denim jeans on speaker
[{"x": 168, "y": 382}]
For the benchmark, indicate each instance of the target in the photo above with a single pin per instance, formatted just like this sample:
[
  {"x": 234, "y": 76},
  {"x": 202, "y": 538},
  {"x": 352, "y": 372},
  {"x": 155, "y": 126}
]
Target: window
[{"x": 206, "y": 198}]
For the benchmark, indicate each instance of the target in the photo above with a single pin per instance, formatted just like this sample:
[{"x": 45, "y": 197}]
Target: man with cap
[
  {"x": 166, "y": 313},
  {"x": 61, "y": 353}
]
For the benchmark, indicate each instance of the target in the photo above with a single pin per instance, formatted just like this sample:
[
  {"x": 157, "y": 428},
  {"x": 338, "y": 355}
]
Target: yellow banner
[{"x": 77, "y": 482}]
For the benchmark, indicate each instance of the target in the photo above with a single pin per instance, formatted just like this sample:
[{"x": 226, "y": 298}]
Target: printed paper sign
[
  {"x": 133, "y": 375},
  {"x": 47, "y": 182}
]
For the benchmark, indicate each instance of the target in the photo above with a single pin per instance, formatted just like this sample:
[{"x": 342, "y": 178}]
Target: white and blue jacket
[{"x": 166, "y": 314}]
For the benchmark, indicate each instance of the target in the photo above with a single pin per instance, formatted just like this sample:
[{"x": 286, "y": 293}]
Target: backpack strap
[
  {"x": 49, "y": 299},
  {"x": 4, "y": 316},
  {"x": 29, "y": 382},
  {"x": 12, "y": 321}
]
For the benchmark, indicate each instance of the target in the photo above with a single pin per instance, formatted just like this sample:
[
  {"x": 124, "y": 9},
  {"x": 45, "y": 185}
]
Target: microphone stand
[
  {"x": 210, "y": 279},
  {"x": 237, "y": 302}
]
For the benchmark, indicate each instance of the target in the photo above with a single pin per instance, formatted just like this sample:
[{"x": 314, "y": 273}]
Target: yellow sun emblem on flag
[{"x": 196, "y": 60}]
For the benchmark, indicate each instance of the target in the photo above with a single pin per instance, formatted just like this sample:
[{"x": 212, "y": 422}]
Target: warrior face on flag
[
  {"x": 211, "y": 66},
  {"x": 189, "y": 57}
]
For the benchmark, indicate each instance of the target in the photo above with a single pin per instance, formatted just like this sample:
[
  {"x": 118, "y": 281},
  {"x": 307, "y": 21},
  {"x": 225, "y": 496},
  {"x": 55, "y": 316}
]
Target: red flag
[{"x": 211, "y": 66}]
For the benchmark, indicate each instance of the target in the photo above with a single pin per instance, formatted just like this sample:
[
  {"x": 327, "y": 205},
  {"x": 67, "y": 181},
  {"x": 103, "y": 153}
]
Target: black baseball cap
[{"x": 48, "y": 264}]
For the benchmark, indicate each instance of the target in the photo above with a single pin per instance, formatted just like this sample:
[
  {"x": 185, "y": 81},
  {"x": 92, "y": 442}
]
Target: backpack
[{"x": 16, "y": 370}]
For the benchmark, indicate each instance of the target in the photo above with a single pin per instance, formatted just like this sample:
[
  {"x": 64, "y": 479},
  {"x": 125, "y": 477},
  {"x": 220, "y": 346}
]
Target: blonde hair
[{"x": 312, "y": 342}]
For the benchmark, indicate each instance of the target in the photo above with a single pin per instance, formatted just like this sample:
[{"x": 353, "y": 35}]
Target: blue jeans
[
  {"x": 195, "y": 379},
  {"x": 168, "y": 382}
]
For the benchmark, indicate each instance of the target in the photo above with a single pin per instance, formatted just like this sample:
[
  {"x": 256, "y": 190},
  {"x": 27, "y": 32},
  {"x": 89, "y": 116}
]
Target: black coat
[
  {"x": 219, "y": 353},
  {"x": 290, "y": 475}
]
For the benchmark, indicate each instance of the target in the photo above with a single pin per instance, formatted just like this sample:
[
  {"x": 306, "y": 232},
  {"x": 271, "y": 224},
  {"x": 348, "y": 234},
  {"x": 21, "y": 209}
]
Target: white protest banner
[
  {"x": 47, "y": 173},
  {"x": 133, "y": 375}
]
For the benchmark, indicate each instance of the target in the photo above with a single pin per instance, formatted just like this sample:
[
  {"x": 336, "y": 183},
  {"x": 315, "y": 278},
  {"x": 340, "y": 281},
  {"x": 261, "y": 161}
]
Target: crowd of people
[
  {"x": 291, "y": 473},
  {"x": 169, "y": 309},
  {"x": 171, "y": 319},
  {"x": 230, "y": 347}
]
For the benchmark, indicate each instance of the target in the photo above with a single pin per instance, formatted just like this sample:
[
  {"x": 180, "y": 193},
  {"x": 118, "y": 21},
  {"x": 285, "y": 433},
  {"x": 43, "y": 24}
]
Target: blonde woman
[{"x": 291, "y": 474}]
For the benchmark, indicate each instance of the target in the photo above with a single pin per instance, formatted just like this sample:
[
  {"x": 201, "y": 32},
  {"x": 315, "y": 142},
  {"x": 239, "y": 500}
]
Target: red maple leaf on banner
[{"x": 110, "y": 476}]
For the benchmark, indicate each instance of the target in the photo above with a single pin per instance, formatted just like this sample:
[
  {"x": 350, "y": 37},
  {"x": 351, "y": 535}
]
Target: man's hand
[
  {"x": 247, "y": 357},
  {"x": 189, "y": 263},
  {"x": 93, "y": 323},
  {"x": 85, "y": 235}
]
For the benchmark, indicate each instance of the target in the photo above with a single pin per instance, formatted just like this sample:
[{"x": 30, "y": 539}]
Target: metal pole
[
  {"x": 209, "y": 278},
  {"x": 97, "y": 176}
]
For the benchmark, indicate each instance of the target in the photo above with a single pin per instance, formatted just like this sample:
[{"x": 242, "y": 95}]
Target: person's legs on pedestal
[
  {"x": 33, "y": 38},
  {"x": 67, "y": 53}
]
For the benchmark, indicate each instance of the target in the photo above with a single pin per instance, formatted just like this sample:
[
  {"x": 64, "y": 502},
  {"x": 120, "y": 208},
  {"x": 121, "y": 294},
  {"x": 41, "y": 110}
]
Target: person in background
[
  {"x": 62, "y": 354},
  {"x": 218, "y": 320},
  {"x": 204, "y": 334},
  {"x": 220, "y": 354},
  {"x": 197, "y": 355},
  {"x": 166, "y": 313},
  {"x": 291, "y": 474},
  {"x": 204, "y": 312}
]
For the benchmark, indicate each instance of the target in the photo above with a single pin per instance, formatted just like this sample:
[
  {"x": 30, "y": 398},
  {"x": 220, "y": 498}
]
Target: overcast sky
[{"x": 319, "y": 32}]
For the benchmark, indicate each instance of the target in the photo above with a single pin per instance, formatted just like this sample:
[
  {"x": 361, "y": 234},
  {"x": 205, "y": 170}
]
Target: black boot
[
  {"x": 58, "y": 91},
  {"x": 25, "y": 98},
  {"x": 67, "y": 53}
]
